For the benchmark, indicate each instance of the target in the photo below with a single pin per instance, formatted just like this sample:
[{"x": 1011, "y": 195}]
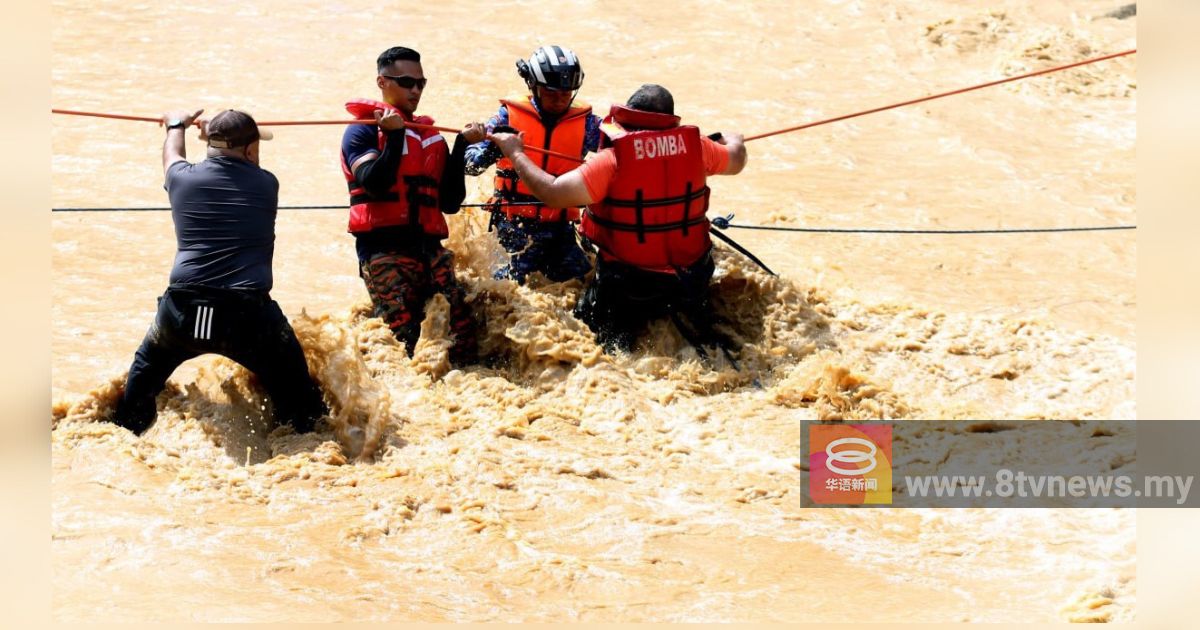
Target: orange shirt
[{"x": 599, "y": 171}]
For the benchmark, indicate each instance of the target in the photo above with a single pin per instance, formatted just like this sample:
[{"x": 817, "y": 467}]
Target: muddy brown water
[{"x": 557, "y": 482}]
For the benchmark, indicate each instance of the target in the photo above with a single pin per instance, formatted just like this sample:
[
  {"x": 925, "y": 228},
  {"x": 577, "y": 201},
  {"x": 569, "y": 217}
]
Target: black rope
[
  {"x": 723, "y": 223},
  {"x": 745, "y": 252}
]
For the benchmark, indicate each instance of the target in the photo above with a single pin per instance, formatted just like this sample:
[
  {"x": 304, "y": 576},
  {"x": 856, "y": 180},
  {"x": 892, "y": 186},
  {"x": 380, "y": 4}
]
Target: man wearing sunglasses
[
  {"x": 647, "y": 197},
  {"x": 402, "y": 178},
  {"x": 539, "y": 237}
]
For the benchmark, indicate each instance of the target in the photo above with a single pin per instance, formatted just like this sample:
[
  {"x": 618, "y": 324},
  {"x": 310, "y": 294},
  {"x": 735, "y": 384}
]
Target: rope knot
[{"x": 722, "y": 222}]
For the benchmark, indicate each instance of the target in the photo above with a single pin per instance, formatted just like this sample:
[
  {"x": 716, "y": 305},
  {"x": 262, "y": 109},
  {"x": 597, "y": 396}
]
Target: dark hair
[
  {"x": 232, "y": 129},
  {"x": 652, "y": 98},
  {"x": 394, "y": 54}
]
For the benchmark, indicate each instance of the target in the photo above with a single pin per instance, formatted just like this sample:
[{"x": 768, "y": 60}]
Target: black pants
[
  {"x": 245, "y": 326},
  {"x": 621, "y": 299}
]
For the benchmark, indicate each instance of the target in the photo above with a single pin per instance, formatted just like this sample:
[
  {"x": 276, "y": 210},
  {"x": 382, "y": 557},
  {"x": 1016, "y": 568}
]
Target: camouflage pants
[{"x": 401, "y": 283}]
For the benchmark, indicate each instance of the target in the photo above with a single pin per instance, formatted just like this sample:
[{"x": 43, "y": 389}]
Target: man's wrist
[{"x": 520, "y": 165}]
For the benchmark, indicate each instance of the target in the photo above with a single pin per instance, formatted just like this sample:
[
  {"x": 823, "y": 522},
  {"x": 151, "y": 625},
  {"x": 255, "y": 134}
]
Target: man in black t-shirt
[{"x": 218, "y": 300}]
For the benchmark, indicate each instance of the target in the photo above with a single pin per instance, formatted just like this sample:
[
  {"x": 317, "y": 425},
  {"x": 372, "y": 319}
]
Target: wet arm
[{"x": 563, "y": 191}]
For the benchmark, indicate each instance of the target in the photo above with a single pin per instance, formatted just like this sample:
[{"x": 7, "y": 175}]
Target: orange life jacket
[
  {"x": 413, "y": 200},
  {"x": 653, "y": 214},
  {"x": 566, "y": 136}
]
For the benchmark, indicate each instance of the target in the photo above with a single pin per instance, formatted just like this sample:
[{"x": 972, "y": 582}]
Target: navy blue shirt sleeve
[{"x": 359, "y": 140}]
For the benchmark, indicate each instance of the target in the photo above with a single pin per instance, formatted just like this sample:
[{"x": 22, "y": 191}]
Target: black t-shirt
[{"x": 224, "y": 213}]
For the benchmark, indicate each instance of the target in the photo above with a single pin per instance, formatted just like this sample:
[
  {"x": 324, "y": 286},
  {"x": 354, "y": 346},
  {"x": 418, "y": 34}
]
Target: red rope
[
  {"x": 99, "y": 115},
  {"x": 575, "y": 159},
  {"x": 943, "y": 94},
  {"x": 282, "y": 123}
]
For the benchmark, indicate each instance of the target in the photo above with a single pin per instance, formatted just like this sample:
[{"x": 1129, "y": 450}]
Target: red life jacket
[
  {"x": 413, "y": 200},
  {"x": 653, "y": 214},
  {"x": 566, "y": 136}
]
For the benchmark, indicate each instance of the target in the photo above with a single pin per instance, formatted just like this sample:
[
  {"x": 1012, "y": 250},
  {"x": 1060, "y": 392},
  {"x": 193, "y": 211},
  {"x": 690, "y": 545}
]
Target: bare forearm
[
  {"x": 737, "y": 156},
  {"x": 174, "y": 148},
  {"x": 564, "y": 191},
  {"x": 177, "y": 123},
  {"x": 539, "y": 182}
]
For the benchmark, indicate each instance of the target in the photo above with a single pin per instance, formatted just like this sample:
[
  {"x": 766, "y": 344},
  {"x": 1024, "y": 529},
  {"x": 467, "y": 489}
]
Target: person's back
[
  {"x": 646, "y": 197},
  {"x": 224, "y": 213},
  {"x": 218, "y": 298},
  {"x": 651, "y": 213}
]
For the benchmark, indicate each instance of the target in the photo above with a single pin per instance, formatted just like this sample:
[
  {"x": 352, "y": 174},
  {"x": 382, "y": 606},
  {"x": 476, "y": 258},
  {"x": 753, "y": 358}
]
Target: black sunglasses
[{"x": 406, "y": 82}]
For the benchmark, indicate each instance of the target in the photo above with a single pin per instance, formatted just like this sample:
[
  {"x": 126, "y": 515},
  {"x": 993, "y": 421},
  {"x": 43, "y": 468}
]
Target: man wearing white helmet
[{"x": 539, "y": 237}]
